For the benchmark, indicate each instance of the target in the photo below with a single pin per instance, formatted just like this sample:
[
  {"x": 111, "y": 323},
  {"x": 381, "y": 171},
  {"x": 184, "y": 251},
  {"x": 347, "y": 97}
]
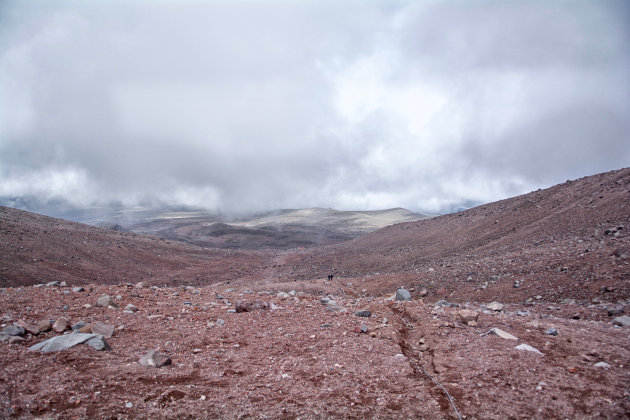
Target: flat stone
[
  {"x": 155, "y": 358},
  {"x": 364, "y": 314},
  {"x": 141, "y": 285},
  {"x": 61, "y": 325},
  {"x": 602, "y": 365},
  {"x": 52, "y": 284},
  {"x": 62, "y": 342},
  {"x": 467, "y": 315},
  {"x": 527, "y": 347},
  {"x": 495, "y": 306},
  {"x": 131, "y": 308},
  {"x": 103, "y": 329},
  {"x": 502, "y": 334},
  {"x": 13, "y": 330},
  {"x": 622, "y": 321},
  {"x": 615, "y": 311},
  {"x": 403, "y": 294},
  {"x": 78, "y": 289},
  {"x": 282, "y": 295}
]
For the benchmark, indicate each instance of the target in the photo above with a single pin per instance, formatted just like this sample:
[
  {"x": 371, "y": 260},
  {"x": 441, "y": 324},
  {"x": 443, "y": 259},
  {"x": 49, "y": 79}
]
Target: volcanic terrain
[{"x": 518, "y": 308}]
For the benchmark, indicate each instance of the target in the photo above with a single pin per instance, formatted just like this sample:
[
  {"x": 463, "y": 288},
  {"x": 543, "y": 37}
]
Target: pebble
[
  {"x": 551, "y": 331},
  {"x": 131, "y": 308},
  {"x": 128, "y": 405},
  {"x": 78, "y": 289},
  {"x": 52, "y": 284},
  {"x": 403, "y": 295},
  {"x": 423, "y": 292},
  {"x": 219, "y": 322},
  {"x": 363, "y": 314},
  {"x": 44, "y": 325},
  {"x": 282, "y": 295},
  {"x": 245, "y": 306},
  {"x": 615, "y": 311}
]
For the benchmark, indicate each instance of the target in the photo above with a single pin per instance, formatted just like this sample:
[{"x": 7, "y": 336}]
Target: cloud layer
[{"x": 251, "y": 105}]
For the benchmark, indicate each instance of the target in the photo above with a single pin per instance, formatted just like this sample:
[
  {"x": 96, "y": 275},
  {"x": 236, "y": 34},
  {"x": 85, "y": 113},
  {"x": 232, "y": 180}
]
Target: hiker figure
[{"x": 330, "y": 277}]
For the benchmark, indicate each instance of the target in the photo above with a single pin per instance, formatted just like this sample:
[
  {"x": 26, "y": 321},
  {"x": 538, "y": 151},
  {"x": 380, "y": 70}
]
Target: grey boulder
[{"x": 63, "y": 342}]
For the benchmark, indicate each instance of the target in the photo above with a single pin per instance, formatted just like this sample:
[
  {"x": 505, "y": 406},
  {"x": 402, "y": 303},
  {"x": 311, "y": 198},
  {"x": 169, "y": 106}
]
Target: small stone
[
  {"x": 103, "y": 329},
  {"x": 155, "y": 358},
  {"x": 282, "y": 295},
  {"x": 78, "y": 289},
  {"x": 131, "y": 308},
  {"x": 467, "y": 315},
  {"x": 364, "y": 329},
  {"x": 141, "y": 285},
  {"x": 66, "y": 307},
  {"x": 551, "y": 331},
  {"x": 472, "y": 323},
  {"x": 106, "y": 301},
  {"x": 220, "y": 322},
  {"x": 502, "y": 334},
  {"x": 403, "y": 294},
  {"x": 602, "y": 365},
  {"x": 52, "y": 284},
  {"x": 15, "y": 339},
  {"x": 495, "y": 306},
  {"x": 423, "y": 292},
  {"x": 622, "y": 321},
  {"x": 13, "y": 330},
  {"x": 527, "y": 347},
  {"x": 63, "y": 284},
  {"x": 61, "y": 325},
  {"x": 128, "y": 405},
  {"x": 79, "y": 325},
  {"x": 424, "y": 347},
  {"x": 363, "y": 314}
]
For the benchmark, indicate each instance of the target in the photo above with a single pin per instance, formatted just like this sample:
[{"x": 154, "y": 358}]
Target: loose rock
[
  {"x": 131, "y": 308},
  {"x": 551, "y": 331},
  {"x": 103, "y": 329},
  {"x": 155, "y": 358},
  {"x": 527, "y": 347},
  {"x": 244, "y": 306},
  {"x": 502, "y": 334},
  {"x": 403, "y": 294},
  {"x": 62, "y": 342},
  {"x": 602, "y": 365},
  {"x": 61, "y": 325},
  {"x": 98, "y": 343},
  {"x": 13, "y": 330},
  {"x": 622, "y": 321},
  {"x": 467, "y": 315},
  {"x": 364, "y": 314},
  {"x": 495, "y": 306},
  {"x": 105, "y": 301}
]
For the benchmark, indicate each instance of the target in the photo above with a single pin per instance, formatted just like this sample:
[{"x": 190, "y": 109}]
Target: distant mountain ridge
[{"x": 279, "y": 229}]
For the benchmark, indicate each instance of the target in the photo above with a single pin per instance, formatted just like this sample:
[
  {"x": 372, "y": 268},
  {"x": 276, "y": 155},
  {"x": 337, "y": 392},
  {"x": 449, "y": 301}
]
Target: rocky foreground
[{"x": 210, "y": 352}]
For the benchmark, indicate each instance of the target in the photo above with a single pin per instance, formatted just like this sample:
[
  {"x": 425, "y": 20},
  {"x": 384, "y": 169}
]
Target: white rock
[
  {"x": 527, "y": 347},
  {"x": 502, "y": 334},
  {"x": 602, "y": 365},
  {"x": 495, "y": 306}
]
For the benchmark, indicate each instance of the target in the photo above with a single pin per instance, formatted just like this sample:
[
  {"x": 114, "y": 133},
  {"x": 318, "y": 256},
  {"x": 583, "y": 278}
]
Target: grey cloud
[{"x": 240, "y": 106}]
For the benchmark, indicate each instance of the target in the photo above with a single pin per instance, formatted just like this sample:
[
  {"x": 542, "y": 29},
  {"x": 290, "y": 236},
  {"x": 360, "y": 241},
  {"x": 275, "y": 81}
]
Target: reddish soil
[{"x": 567, "y": 248}]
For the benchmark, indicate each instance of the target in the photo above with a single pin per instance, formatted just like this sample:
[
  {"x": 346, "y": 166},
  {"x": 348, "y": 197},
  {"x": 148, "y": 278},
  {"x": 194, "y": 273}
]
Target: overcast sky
[{"x": 252, "y": 105}]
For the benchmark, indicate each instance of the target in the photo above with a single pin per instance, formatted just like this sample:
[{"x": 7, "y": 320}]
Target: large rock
[
  {"x": 103, "y": 329},
  {"x": 155, "y": 358},
  {"x": 63, "y": 342},
  {"x": 245, "y": 306},
  {"x": 44, "y": 325},
  {"x": 468, "y": 315},
  {"x": 403, "y": 294},
  {"x": 622, "y": 321}
]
